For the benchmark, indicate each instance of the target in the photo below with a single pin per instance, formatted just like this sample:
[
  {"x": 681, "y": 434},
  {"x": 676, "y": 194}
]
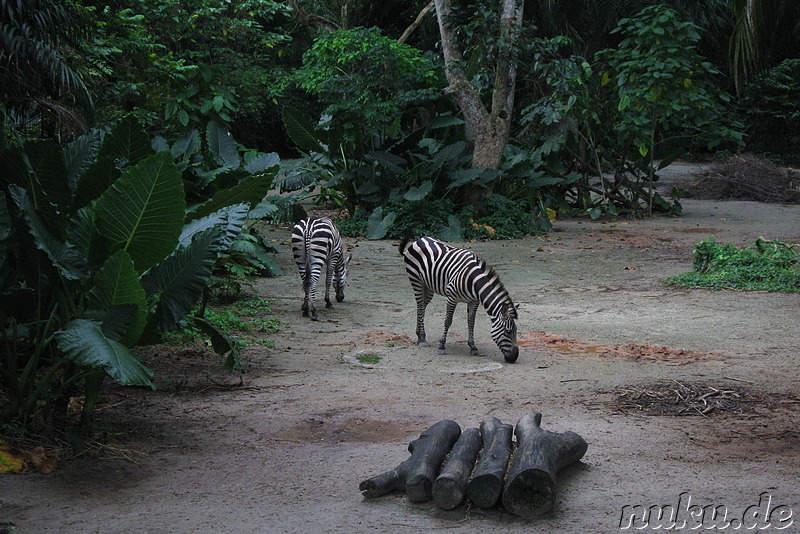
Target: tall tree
[
  {"x": 488, "y": 127},
  {"x": 36, "y": 77}
]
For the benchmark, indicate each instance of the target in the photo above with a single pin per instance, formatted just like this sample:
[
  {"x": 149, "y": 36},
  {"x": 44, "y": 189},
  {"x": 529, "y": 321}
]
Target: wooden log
[
  {"x": 427, "y": 453},
  {"x": 434, "y": 449},
  {"x": 450, "y": 486},
  {"x": 486, "y": 485},
  {"x": 530, "y": 487}
]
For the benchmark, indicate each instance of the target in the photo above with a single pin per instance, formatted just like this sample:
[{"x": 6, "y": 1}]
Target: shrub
[{"x": 763, "y": 266}]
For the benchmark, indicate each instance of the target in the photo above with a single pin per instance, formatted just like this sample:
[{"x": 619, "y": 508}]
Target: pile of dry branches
[
  {"x": 678, "y": 398},
  {"x": 748, "y": 177}
]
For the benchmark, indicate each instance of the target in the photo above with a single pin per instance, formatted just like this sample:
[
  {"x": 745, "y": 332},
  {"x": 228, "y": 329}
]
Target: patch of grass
[
  {"x": 493, "y": 217},
  {"x": 763, "y": 266},
  {"x": 246, "y": 322},
  {"x": 369, "y": 358}
]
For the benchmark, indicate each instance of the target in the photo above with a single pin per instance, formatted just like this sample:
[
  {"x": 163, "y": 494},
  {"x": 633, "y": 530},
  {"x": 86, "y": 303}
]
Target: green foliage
[
  {"x": 366, "y": 80},
  {"x": 763, "y": 266},
  {"x": 493, "y": 217},
  {"x": 369, "y": 358},
  {"x": 663, "y": 91},
  {"x": 656, "y": 92},
  {"x": 772, "y": 106},
  {"x": 100, "y": 254},
  {"x": 37, "y": 78},
  {"x": 243, "y": 322}
]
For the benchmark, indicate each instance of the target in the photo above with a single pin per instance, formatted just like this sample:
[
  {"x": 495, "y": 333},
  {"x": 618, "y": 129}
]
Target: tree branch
[
  {"x": 414, "y": 25},
  {"x": 312, "y": 19}
]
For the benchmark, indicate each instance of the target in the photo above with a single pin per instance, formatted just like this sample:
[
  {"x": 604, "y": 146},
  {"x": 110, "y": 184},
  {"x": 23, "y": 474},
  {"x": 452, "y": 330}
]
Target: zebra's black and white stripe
[
  {"x": 316, "y": 243},
  {"x": 434, "y": 267}
]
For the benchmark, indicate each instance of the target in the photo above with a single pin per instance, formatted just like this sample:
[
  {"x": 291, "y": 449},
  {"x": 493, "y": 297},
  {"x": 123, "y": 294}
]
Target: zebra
[
  {"x": 316, "y": 242},
  {"x": 434, "y": 266}
]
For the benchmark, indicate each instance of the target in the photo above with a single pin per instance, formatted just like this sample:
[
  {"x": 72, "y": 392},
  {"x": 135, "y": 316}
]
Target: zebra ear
[{"x": 510, "y": 311}]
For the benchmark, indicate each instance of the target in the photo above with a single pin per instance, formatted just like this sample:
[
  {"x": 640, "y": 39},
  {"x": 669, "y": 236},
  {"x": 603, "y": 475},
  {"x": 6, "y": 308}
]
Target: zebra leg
[
  {"x": 423, "y": 298},
  {"x": 472, "y": 307},
  {"x": 304, "y": 307},
  {"x": 312, "y": 292},
  {"x": 448, "y": 321},
  {"x": 328, "y": 281}
]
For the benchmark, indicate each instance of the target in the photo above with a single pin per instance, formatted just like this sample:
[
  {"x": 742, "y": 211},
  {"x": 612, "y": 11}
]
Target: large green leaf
[
  {"x": 79, "y": 155},
  {"x": 300, "y": 128},
  {"x": 391, "y": 161},
  {"x": 143, "y": 210},
  {"x": 95, "y": 180},
  {"x": 251, "y": 190},
  {"x": 83, "y": 342},
  {"x": 47, "y": 164},
  {"x": 418, "y": 193},
  {"x": 221, "y": 145},
  {"x": 230, "y": 219},
  {"x": 262, "y": 162},
  {"x": 15, "y": 170},
  {"x": 117, "y": 283},
  {"x": 178, "y": 281},
  {"x": 220, "y": 341},
  {"x": 63, "y": 255},
  {"x": 186, "y": 146},
  {"x": 378, "y": 225},
  {"x": 453, "y": 231},
  {"x": 126, "y": 141}
]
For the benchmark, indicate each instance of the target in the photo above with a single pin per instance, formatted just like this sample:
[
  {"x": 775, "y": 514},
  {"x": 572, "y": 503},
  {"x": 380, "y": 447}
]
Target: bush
[
  {"x": 762, "y": 266},
  {"x": 772, "y": 107},
  {"x": 493, "y": 217}
]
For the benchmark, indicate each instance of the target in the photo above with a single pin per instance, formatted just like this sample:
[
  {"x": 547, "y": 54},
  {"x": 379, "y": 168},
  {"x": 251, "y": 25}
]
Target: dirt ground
[{"x": 605, "y": 346}]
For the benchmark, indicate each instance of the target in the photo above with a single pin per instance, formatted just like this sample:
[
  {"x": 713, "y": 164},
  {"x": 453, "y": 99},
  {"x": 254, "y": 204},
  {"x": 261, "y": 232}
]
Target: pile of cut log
[{"x": 483, "y": 465}]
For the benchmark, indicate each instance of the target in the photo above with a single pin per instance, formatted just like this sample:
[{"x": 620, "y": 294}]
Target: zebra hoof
[
  {"x": 339, "y": 298},
  {"x": 423, "y": 344},
  {"x": 305, "y": 313},
  {"x": 440, "y": 351},
  {"x": 475, "y": 352},
  {"x": 329, "y": 304},
  {"x": 314, "y": 318}
]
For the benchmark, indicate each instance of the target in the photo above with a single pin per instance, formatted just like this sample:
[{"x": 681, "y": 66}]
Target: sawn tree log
[
  {"x": 417, "y": 473},
  {"x": 486, "y": 485},
  {"x": 530, "y": 487},
  {"x": 450, "y": 486}
]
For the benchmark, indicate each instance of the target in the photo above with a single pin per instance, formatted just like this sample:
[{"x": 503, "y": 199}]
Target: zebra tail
[{"x": 409, "y": 235}]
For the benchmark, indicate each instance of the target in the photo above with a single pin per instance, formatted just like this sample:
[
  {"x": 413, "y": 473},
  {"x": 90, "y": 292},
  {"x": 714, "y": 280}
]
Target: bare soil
[{"x": 606, "y": 350}]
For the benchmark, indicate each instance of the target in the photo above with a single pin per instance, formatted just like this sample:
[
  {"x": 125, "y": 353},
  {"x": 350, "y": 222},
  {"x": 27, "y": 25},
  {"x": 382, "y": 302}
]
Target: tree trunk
[
  {"x": 417, "y": 473},
  {"x": 491, "y": 128},
  {"x": 450, "y": 486},
  {"x": 486, "y": 485},
  {"x": 530, "y": 488}
]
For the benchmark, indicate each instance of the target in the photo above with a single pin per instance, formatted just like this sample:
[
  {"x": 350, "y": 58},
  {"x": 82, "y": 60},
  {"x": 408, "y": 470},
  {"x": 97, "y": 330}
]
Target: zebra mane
[{"x": 490, "y": 271}]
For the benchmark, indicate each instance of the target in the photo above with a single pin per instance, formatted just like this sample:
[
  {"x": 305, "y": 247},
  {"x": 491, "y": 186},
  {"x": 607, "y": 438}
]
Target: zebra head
[
  {"x": 340, "y": 276},
  {"x": 504, "y": 331}
]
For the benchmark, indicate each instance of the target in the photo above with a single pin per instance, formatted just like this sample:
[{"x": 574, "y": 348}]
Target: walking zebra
[
  {"x": 316, "y": 242},
  {"x": 433, "y": 266}
]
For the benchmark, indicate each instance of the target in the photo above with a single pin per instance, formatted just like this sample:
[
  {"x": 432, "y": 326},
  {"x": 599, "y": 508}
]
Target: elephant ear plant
[{"x": 98, "y": 253}]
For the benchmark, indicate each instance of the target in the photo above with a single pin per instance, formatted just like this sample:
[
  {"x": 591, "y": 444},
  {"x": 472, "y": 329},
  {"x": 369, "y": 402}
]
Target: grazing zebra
[
  {"x": 433, "y": 266},
  {"x": 316, "y": 242}
]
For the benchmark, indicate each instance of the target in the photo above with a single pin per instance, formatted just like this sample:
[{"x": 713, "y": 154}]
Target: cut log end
[
  {"x": 448, "y": 493},
  {"x": 484, "y": 490},
  {"x": 531, "y": 493},
  {"x": 419, "y": 489}
]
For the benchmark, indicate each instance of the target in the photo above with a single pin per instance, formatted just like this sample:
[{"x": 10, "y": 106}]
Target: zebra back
[
  {"x": 440, "y": 267},
  {"x": 315, "y": 242}
]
